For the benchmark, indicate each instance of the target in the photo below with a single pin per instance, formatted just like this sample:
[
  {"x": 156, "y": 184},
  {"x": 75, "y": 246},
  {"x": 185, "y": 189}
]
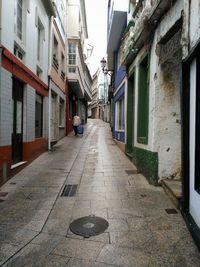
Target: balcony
[
  {"x": 139, "y": 30},
  {"x": 117, "y": 22},
  {"x": 75, "y": 80},
  {"x": 78, "y": 81}
]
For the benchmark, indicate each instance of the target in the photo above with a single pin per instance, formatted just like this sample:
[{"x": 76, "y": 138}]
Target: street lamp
[{"x": 104, "y": 69}]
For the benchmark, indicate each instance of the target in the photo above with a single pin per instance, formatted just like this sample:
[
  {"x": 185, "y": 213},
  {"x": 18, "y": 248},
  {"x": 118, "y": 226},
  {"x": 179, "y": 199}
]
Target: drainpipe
[{"x": 49, "y": 82}]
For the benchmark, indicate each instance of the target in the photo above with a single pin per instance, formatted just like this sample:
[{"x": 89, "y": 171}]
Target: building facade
[
  {"x": 117, "y": 21},
  {"x": 191, "y": 118},
  {"x": 160, "y": 49},
  {"x": 151, "y": 52},
  {"x": 24, "y": 38},
  {"x": 79, "y": 79},
  {"x": 57, "y": 77}
]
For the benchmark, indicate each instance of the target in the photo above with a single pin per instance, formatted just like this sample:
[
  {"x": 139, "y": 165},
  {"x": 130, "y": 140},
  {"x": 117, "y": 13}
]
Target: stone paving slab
[{"x": 35, "y": 219}]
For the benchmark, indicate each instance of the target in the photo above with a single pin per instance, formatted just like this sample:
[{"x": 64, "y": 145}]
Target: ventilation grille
[
  {"x": 69, "y": 190},
  {"x": 132, "y": 171},
  {"x": 171, "y": 211}
]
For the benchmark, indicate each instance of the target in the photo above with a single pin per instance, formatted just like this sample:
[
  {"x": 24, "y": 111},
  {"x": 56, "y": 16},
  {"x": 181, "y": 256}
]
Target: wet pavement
[{"x": 35, "y": 218}]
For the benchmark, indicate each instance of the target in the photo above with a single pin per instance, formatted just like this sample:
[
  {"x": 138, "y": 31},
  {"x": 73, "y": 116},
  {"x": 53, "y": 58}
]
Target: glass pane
[
  {"x": 19, "y": 118},
  {"x": 38, "y": 115}
]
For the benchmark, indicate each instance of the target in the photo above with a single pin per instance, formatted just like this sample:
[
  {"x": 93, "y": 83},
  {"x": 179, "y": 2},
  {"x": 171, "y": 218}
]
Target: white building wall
[
  {"x": 72, "y": 20},
  {"x": 29, "y": 114},
  {"x": 165, "y": 87},
  {"x": 6, "y": 108},
  {"x": 32, "y": 9},
  {"x": 164, "y": 134},
  {"x": 7, "y": 17},
  {"x": 119, "y": 5},
  {"x": 37, "y": 10},
  {"x": 194, "y": 29},
  {"x": 61, "y": 17}
]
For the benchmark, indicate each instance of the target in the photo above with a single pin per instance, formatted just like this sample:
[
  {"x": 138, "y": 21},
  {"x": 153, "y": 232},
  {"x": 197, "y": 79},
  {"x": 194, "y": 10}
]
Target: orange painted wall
[{"x": 56, "y": 73}]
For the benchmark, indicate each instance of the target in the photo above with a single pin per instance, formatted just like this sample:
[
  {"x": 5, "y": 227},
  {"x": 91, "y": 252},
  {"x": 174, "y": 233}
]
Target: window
[
  {"x": 62, "y": 66},
  {"x": 40, "y": 40},
  {"x": 61, "y": 112},
  {"x": 38, "y": 115},
  {"x": 18, "y": 52},
  {"x": 72, "y": 70},
  {"x": 143, "y": 102},
  {"x": 120, "y": 114},
  {"x": 39, "y": 72},
  {"x": 72, "y": 54},
  {"x": 19, "y": 18},
  {"x": 55, "y": 53}
]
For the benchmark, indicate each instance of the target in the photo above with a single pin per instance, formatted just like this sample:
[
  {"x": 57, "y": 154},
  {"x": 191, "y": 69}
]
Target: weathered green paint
[
  {"x": 143, "y": 101},
  {"x": 130, "y": 115},
  {"x": 147, "y": 162}
]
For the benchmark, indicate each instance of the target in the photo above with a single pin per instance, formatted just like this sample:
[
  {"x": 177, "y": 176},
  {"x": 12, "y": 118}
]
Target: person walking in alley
[{"x": 76, "y": 123}]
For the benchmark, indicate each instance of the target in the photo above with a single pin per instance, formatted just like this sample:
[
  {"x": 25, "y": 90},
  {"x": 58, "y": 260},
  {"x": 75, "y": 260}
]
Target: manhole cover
[{"x": 89, "y": 226}]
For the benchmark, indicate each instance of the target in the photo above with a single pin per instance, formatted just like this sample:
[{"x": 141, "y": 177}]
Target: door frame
[
  {"x": 16, "y": 82},
  {"x": 130, "y": 114},
  {"x": 185, "y": 110}
]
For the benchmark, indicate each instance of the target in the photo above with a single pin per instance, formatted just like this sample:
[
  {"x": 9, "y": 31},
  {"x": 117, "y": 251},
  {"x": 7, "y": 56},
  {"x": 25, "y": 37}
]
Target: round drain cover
[{"x": 89, "y": 226}]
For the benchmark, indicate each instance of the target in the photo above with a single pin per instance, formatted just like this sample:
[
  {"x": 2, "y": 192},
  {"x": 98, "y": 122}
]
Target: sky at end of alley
[{"x": 96, "y": 11}]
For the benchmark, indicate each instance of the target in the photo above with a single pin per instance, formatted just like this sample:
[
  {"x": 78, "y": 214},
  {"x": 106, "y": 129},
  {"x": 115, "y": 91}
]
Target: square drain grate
[
  {"x": 171, "y": 211},
  {"x": 132, "y": 171},
  {"x": 69, "y": 190}
]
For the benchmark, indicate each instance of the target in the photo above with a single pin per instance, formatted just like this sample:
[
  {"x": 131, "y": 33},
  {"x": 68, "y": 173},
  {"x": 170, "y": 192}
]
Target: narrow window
[
  {"x": 72, "y": 54},
  {"x": 62, "y": 66},
  {"x": 61, "y": 112},
  {"x": 55, "y": 53},
  {"x": 39, "y": 43},
  {"x": 38, "y": 115},
  {"x": 19, "y": 19},
  {"x": 143, "y": 102},
  {"x": 18, "y": 52},
  {"x": 120, "y": 114}
]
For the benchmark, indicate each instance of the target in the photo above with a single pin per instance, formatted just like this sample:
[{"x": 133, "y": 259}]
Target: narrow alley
[{"x": 35, "y": 218}]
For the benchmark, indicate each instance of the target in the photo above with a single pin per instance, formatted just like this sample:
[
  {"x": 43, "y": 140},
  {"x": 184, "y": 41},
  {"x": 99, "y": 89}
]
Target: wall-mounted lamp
[{"x": 104, "y": 69}]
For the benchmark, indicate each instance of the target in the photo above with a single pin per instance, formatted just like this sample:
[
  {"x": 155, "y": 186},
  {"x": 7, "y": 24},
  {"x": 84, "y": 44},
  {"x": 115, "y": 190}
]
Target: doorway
[
  {"x": 130, "y": 114},
  {"x": 194, "y": 175},
  {"x": 17, "y": 134}
]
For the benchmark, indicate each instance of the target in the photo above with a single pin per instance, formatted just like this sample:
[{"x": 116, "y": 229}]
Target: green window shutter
[{"x": 143, "y": 101}]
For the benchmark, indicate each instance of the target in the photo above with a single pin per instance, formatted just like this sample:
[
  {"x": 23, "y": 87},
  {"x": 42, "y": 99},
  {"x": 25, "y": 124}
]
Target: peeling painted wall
[
  {"x": 165, "y": 87},
  {"x": 194, "y": 28},
  {"x": 164, "y": 135}
]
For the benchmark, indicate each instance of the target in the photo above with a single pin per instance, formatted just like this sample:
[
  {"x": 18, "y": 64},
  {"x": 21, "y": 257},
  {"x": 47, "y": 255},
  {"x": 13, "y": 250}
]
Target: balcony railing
[
  {"x": 62, "y": 75},
  {"x": 55, "y": 62}
]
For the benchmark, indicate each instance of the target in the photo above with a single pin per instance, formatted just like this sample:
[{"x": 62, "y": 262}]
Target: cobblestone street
[{"x": 35, "y": 218}]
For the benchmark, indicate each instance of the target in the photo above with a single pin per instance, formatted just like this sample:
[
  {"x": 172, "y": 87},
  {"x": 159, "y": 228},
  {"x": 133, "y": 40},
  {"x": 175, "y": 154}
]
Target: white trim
[
  {"x": 18, "y": 164},
  {"x": 120, "y": 86},
  {"x": 194, "y": 196}
]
